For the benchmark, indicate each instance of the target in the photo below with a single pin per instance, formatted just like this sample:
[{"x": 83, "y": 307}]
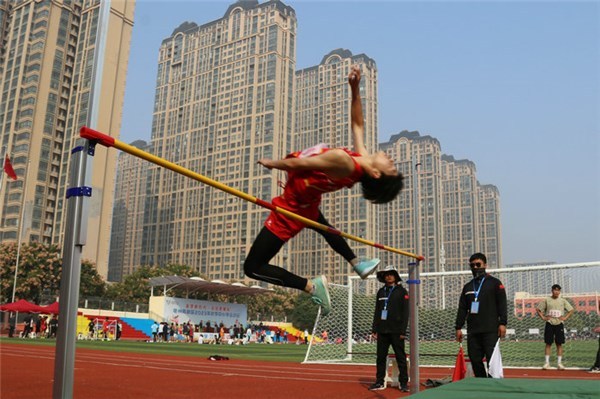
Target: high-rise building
[
  {"x": 323, "y": 116},
  {"x": 413, "y": 221},
  {"x": 461, "y": 212},
  {"x": 471, "y": 215},
  {"x": 448, "y": 216},
  {"x": 537, "y": 282},
  {"x": 227, "y": 95},
  {"x": 490, "y": 234},
  {"x": 46, "y": 79},
  {"x": 443, "y": 213},
  {"x": 224, "y": 100},
  {"x": 5, "y": 7},
  {"x": 128, "y": 214}
]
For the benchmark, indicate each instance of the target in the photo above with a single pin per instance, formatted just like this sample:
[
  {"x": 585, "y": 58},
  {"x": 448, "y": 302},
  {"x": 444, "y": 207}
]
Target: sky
[{"x": 512, "y": 86}]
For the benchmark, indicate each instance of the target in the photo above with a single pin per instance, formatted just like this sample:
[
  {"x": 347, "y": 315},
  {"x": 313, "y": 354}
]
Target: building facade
[
  {"x": 443, "y": 213},
  {"x": 439, "y": 214},
  {"x": 461, "y": 212},
  {"x": 228, "y": 95},
  {"x": 538, "y": 282},
  {"x": 224, "y": 100},
  {"x": 128, "y": 214},
  {"x": 45, "y": 83},
  {"x": 526, "y": 303},
  {"x": 490, "y": 232},
  {"x": 412, "y": 222}
]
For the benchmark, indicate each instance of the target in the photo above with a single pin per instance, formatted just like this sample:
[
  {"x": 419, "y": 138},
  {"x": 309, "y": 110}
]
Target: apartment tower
[
  {"x": 224, "y": 100},
  {"x": 490, "y": 234},
  {"x": 443, "y": 213},
  {"x": 128, "y": 214},
  {"x": 45, "y": 80},
  {"x": 413, "y": 221}
]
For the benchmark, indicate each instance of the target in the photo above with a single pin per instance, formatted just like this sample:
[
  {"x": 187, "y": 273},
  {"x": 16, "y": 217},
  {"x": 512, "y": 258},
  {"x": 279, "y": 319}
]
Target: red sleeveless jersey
[{"x": 303, "y": 191}]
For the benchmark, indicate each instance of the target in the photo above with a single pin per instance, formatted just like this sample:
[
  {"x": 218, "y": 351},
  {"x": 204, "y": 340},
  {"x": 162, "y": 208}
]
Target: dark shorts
[{"x": 554, "y": 334}]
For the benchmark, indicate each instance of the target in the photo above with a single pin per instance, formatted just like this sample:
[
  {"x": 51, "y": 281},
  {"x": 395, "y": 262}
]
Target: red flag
[
  {"x": 9, "y": 169},
  {"x": 460, "y": 368}
]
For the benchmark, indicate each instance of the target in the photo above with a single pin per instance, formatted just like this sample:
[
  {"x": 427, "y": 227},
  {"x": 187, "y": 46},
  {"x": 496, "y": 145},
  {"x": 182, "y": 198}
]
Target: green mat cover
[{"x": 515, "y": 388}]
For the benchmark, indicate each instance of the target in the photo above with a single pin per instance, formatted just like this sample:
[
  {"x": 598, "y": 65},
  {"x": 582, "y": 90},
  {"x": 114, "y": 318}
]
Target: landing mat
[{"x": 514, "y": 388}]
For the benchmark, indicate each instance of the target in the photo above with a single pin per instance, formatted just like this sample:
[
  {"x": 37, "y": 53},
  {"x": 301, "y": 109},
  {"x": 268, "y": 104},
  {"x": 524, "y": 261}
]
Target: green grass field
[{"x": 579, "y": 354}]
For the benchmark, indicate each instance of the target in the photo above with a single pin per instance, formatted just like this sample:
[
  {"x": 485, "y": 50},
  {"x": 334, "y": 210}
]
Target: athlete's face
[{"x": 384, "y": 164}]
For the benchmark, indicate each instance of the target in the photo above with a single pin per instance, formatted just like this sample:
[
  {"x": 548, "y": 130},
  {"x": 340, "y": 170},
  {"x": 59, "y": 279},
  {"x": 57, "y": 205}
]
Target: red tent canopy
[
  {"x": 21, "y": 306},
  {"x": 50, "y": 309}
]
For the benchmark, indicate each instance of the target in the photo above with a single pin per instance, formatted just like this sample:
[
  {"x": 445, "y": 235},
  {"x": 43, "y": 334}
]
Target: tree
[
  {"x": 304, "y": 313},
  {"x": 136, "y": 286},
  {"x": 40, "y": 267},
  {"x": 277, "y": 304},
  {"x": 91, "y": 283},
  {"x": 39, "y": 271}
]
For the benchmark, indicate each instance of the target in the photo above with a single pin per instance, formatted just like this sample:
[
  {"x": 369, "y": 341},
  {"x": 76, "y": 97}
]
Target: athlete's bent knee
[{"x": 250, "y": 268}]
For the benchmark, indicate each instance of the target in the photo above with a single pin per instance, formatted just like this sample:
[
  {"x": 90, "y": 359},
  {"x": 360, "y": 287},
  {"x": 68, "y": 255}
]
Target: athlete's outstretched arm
[
  {"x": 356, "y": 112},
  {"x": 334, "y": 163}
]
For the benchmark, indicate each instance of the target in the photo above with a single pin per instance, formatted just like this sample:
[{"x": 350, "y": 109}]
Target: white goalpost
[{"x": 348, "y": 326}]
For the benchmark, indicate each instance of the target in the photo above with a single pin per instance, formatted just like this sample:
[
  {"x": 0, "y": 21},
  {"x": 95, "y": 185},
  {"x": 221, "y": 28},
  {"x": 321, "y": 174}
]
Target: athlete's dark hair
[{"x": 383, "y": 189}]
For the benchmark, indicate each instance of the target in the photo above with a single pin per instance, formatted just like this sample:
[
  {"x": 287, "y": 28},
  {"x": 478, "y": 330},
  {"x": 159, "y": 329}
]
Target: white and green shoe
[
  {"x": 366, "y": 267},
  {"x": 320, "y": 294}
]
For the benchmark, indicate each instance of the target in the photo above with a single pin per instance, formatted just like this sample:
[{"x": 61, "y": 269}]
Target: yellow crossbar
[{"x": 109, "y": 141}]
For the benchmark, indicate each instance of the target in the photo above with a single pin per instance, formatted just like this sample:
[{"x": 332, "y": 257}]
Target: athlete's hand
[
  {"x": 354, "y": 76},
  {"x": 267, "y": 163}
]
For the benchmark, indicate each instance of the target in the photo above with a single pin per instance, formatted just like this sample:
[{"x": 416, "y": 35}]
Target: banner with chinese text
[{"x": 181, "y": 310}]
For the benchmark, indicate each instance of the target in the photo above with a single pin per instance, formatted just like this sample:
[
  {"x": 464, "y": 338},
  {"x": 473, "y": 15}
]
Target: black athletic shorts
[{"x": 554, "y": 334}]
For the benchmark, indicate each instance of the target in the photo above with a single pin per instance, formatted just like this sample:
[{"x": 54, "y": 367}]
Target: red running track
[{"x": 27, "y": 372}]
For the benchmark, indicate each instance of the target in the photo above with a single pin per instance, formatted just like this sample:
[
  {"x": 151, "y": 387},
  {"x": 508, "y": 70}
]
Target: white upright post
[{"x": 76, "y": 226}]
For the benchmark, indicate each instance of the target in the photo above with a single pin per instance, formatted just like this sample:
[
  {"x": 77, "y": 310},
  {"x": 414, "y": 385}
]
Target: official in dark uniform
[
  {"x": 483, "y": 305},
  {"x": 389, "y": 326}
]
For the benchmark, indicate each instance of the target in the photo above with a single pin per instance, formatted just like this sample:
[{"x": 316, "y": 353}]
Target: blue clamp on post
[
  {"x": 79, "y": 192},
  {"x": 77, "y": 149},
  {"x": 413, "y": 281},
  {"x": 91, "y": 148}
]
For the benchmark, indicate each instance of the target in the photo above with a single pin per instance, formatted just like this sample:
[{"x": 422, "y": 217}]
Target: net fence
[{"x": 348, "y": 326}]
